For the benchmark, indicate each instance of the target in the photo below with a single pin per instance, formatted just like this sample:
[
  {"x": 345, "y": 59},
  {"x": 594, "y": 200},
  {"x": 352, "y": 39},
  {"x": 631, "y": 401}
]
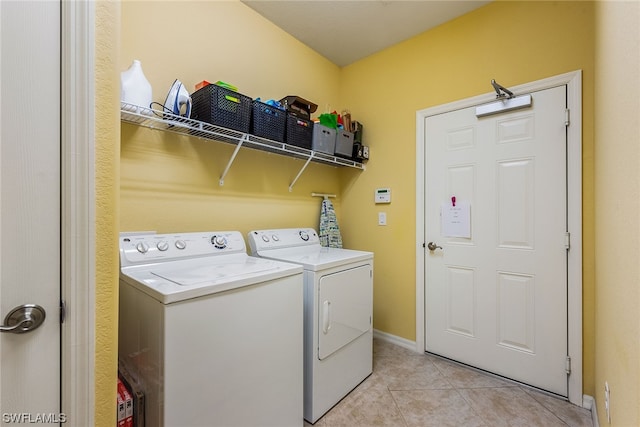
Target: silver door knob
[
  {"x": 24, "y": 318},
  {"x": 432, "y": 246}
]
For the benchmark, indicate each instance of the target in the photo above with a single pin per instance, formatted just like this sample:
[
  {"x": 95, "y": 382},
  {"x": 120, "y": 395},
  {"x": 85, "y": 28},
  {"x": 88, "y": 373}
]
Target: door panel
[
  {"x": 515, "y": 199},
  {"x": 345, "y": 301},
  {"x": 461, "y": 301},
  {"x": 30, "y": 207},
  {"x": 497, "y": 300},
  {"x": 516, "y": 303}
]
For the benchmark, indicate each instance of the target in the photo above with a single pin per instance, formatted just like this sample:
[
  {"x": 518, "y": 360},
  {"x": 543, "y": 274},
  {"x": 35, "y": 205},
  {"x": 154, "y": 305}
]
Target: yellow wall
[
  {"x": 170, "y": 183},
  {"x": 512, "y": 42},
  {"x": 617, "y": 195},
  {"x": 107, "y": 148}
]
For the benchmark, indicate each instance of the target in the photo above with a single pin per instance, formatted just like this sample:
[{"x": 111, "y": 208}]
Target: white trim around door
[
  {"x": 573, "y": 81},
  {"x": 78, "y": 212}
]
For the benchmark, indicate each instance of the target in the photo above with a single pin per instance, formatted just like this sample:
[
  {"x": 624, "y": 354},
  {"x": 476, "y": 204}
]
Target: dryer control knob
[
  {"x": 304, "y": 236},
  {"x": 142, "y": 247},
  {"x": 275, "y": 238},
  {"x": 162, "y": 245},
  {"x": 265, "y": 238},
  {"x": 181, "y": 244},
  {"x": 219, "y": 242}
]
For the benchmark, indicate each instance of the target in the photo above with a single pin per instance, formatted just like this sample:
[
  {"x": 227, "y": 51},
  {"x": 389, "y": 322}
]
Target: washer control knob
[
  {"x": 275, "y": 238},
  {"x": 219, "y": 242},
  {"x": 304, "y": 235},
  {"x": 142, "y": 247},
  {"x": 181, "y": 244},
  {"x": 162, "y": 245},
  {"x": 265, "y": 238}
]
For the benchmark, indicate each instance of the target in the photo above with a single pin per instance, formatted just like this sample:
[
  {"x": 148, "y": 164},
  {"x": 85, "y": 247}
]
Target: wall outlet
[{"x": 607, "y": 401}]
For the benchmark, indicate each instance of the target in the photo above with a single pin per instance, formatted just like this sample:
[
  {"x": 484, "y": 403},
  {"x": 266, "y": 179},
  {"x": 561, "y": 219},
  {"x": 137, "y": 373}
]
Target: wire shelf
[{"x": 156, "y": 119}]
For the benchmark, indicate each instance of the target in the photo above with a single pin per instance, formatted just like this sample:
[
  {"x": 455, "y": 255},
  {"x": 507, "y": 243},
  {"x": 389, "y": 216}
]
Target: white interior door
[
  {"x": 30, "y": 208},
  {"x": 496, "y": 291}
]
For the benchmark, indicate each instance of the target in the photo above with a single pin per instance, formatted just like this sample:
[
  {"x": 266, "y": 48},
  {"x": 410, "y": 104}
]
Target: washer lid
[
  {"x": 189, "y": 276},
  {"x": 179, "y": 280}
]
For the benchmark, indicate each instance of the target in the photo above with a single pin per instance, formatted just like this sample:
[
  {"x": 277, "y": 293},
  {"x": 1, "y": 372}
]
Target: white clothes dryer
[
  {"x": 338, "y": 311},
  {"x": 214, "y": 335}
]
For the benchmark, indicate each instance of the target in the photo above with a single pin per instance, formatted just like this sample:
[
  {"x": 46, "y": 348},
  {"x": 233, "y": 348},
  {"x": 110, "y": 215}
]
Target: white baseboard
[
  {"x": 589, "y": 402},
  {"x": 394, "y": 339}
]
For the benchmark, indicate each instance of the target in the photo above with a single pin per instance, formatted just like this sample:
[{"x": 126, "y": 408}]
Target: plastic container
[
  {"x": 299, "y": 131},
  {"x": 222, "y": 107},
  {"x": 135, "y": 89},
  {"x": 268, "y": 121},
  {"x": 324, "y": 139},
  {"x": 344, "y": 144}
]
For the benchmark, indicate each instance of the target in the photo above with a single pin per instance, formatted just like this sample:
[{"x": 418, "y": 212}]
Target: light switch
[{"x": 382, "y": 218}]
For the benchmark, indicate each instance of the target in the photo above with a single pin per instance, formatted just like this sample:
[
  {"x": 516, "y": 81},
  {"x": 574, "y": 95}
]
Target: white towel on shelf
[{"x": 329, "y": 230}]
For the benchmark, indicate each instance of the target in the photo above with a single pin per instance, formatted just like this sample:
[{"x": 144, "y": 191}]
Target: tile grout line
[
  {"x": 550, "y": 410},
  {"x": 395, "y": 402},
  {"x": 484, "y": 422}
]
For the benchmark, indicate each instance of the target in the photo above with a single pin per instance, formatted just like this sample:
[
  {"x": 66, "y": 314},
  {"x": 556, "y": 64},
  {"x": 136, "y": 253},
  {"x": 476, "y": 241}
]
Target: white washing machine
[
  {"x": 338, "y": 311},
  {"x": 214, "y": 335}
]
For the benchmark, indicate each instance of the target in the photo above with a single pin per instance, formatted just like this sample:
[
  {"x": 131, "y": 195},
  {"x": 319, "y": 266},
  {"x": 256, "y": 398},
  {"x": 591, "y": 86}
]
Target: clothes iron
[{"x": 178, "y": 97}]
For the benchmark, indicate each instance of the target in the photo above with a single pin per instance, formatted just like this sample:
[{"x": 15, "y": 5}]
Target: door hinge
[
  {"x": 568, "y": 365},
  {"x": 567, "y": 120},
  {"x": 567, "y": 240},
  {"x": 63, "y": 310}
]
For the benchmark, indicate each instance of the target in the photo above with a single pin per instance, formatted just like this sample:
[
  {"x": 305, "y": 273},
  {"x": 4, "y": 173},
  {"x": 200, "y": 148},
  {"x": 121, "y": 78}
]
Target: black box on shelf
[
  {"x": 268, "y": 121},
  {"x": 357, "y": 128},
  {"x": 357, "y": 152},
  {"x": 222, "y": 107},
  {"x": 344, "y": 144},
  {"x": 324, "y": 139},
  {"x": 299, "y": 107},
  {"x": 299, "y": 131}
]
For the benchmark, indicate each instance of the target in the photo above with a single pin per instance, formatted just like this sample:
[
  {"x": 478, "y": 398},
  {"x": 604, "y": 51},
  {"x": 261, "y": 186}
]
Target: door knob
[
  {"x": 432, "y": 246},
  {"x": 24, "y": 318}
]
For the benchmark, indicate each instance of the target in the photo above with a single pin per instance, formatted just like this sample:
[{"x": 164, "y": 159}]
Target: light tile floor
[{"x": 409, "y": 389}]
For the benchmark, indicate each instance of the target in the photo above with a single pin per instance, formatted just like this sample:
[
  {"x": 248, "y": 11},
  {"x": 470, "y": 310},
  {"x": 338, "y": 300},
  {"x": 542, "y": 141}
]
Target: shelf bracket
[
  {"x": 301, "y": 170},
  {"x": 244, "y": 138}
]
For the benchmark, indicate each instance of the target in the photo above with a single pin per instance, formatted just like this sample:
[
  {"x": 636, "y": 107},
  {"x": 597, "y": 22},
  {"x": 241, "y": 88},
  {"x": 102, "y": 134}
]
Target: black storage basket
[
  {"x": 222, "y": 107},
  {"x": 299, "y": 131},
  {"x": 268, "y": 121}
]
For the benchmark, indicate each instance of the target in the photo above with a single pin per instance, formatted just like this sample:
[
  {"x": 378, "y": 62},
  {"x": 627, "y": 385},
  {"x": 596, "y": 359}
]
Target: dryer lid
[{"x": 316, "y": 258}]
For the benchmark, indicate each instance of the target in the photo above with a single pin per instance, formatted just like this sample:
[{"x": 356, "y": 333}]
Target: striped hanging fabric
[{"x": 329, "y": 230}]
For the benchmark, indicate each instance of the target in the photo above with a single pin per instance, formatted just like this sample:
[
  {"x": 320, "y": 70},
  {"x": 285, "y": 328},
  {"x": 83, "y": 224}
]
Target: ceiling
[{"x": 348, "y": 30}]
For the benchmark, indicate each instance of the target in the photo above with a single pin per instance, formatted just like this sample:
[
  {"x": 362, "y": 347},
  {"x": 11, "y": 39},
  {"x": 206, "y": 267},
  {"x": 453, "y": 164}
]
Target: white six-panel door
[{"x": 497, "y": 297}]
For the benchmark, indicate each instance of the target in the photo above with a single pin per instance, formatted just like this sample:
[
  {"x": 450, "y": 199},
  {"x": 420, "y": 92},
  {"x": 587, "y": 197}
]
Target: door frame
[
  {"x": 78, "y": 210},
  {"x": 573, "y": 80}
]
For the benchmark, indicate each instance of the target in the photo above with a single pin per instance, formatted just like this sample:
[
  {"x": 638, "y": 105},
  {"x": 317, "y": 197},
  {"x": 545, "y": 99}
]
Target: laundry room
[
  {"x": 171, "y": 183},
  {"x": 174, "y": 182}
]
